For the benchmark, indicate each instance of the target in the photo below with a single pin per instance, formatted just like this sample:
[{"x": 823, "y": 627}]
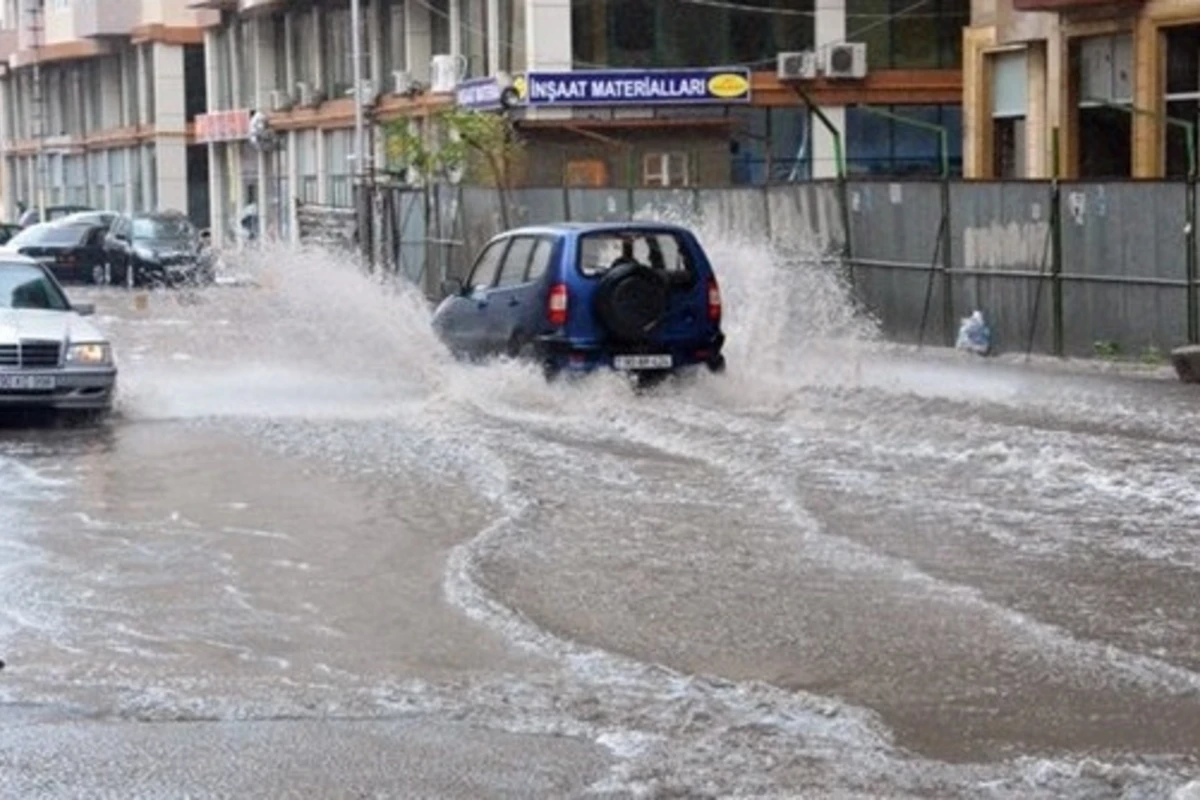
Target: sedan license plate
[
  {"x": 642, "y": 362},
  {"x": 27, "y": 383}
]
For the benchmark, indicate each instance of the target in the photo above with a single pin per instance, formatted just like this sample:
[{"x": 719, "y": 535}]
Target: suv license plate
[
  {"x": 27, "y": 383},
  {"x": 642, "y": 362}
]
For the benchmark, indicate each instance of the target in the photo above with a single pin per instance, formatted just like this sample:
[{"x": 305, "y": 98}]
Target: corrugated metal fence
[{"x": 1074, "y": 268}]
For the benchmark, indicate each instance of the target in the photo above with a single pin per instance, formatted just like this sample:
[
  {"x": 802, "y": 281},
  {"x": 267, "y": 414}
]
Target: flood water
[{"x": 311, "y": 555}]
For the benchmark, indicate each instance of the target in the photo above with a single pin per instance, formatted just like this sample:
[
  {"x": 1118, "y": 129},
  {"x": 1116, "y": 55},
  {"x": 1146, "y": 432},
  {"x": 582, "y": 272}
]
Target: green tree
[{"x": 459, "y": 143}]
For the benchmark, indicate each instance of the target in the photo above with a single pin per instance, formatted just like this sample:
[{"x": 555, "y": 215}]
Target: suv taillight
[
  {"x": 714, "y": 300},
  {"x": 556, "y": 306}
]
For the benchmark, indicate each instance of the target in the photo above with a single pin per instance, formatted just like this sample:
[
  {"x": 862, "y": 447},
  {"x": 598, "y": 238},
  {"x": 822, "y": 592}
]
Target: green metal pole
[{"x": 839, "y": 157}]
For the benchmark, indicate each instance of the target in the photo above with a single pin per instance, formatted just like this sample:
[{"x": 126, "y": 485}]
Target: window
[
  {"x": 512, "y": 35},
  {"x": 540, "y": 261},
  {"x": 1103, "y": 69},
  {"x": 164, "y": 228},
  {"x": 1183, "y": 93},
  {"x": 665, "y": 169},
  {"x": 670, "y": 33},
  {"x": 516, "y": 261},
  {"x": 486, "y": 267},
  {"x": 337, "y": 51},
  {"x": 396, "y": 50},
  {"x": 879, "y": 145},
  {"x": 1010, "y": 81},
  {"x": 439, "y": 25},
  {"x": 901, "y": 35},
  {"x": 473, "y": 27},
  {"x": 601, "y": 252}
]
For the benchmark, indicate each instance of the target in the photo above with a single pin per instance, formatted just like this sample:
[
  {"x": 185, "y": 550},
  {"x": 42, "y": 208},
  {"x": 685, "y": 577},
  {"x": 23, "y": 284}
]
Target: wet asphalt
[{"x": 310, "y": 555}]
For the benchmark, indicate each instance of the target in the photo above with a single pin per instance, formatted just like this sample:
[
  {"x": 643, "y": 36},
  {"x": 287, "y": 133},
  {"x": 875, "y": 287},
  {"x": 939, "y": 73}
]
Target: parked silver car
[{"x": 50, "y": 356}]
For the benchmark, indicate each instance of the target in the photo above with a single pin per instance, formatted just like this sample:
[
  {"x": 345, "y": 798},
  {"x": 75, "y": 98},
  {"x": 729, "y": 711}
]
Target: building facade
[
  {"x": 1081, "y": 88},
  {"x": 291, "y": 61},
  {"x": 96, "y": 98}
]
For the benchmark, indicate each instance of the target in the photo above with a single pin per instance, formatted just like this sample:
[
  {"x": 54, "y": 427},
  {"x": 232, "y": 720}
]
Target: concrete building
[
  {"x": 290, "y": 59},
  {"x": 1110, "y": 87},
  {"x": 96, "y": 98}
]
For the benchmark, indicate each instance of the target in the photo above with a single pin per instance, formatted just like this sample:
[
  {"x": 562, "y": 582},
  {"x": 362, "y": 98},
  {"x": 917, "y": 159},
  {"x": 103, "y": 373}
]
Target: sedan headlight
[{"x": 90, "y": 354}]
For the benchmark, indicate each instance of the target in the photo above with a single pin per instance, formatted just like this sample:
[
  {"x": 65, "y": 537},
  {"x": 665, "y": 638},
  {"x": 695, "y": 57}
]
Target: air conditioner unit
[
  {"x": 844, "y": 61},
  {"x": 306, "y": 96},
  {"x": 402, "y": 82},
  {"x": 796, "y": 66},
  {"x": 280, "y": 100}
]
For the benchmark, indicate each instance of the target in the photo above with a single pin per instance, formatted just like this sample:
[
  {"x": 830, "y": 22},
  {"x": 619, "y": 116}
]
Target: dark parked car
[
  {"x": 73, "y": 252},
  {"x": 7, "y": 231},
  {"x": 104, "y": 219},
  {"x": 161, "y": 248},
  {"x": 636, "y": 297}
]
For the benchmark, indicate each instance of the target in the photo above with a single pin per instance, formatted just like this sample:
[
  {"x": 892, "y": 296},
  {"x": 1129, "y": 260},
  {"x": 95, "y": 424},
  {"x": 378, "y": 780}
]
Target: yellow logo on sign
[
  {"x": 727, "y": 85},
  {"x": 519, "y": 86}
]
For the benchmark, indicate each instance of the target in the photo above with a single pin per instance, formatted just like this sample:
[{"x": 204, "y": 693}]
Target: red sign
[{"x": 223, "y": 126}]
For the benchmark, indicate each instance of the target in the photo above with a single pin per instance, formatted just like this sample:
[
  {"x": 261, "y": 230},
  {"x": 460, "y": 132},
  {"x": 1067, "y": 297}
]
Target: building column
[
  {"x": 171, "y": 179},
  {"x": 830, "y": 29},
  {"x": 494, "y": 44},
  {"x": 373, "y": 22},
  {"x": 1148, "y": 96},
  {"x": 456, "y": 16},
  {"x": 1038, "y": 141},
  {"x": 977, "y": 102},
  {"x": 546, "y": 46},
  {"x": 292, "y": 166}
]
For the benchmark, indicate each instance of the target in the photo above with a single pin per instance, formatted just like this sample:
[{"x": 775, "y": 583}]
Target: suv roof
[{"x": 581, "y": 228}]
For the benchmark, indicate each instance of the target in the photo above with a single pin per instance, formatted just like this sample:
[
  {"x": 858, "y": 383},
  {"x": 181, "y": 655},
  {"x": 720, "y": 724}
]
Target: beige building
[
  {"x": 1096, "y": 89},
  {"x": 96, "y": 98}
]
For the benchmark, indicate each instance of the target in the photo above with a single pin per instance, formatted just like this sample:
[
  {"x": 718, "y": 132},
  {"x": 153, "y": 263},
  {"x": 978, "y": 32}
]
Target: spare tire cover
[{"x": 631, "y": 301}]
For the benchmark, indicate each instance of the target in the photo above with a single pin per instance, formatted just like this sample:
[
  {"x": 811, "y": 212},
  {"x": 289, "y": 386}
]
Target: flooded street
[{"x": 310, "y": 555}]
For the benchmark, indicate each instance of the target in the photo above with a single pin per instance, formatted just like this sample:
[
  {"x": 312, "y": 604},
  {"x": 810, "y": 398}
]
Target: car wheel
[
  {"x": 717, "y": 365},
  {"x": 100, "y": 274}
]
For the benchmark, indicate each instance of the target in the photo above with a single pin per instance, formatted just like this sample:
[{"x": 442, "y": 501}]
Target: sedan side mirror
[
  {"x": 84, "y": 309},
  {"x": 451, "y": 287}
]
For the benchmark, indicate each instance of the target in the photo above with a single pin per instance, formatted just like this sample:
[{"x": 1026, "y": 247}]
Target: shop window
[
  {"x": 882, "y": 146},
  {"x": 512, "y": 35},
  {"x": 1102, "y": 68},
  {"x": 900, "y": 35},
  {"x": 665, "y": 170}
]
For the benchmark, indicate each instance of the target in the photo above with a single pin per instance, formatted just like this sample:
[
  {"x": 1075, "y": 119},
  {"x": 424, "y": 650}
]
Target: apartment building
[
  {"x": 1112, "y": 89},
  {"x": 291, "y": 61},
  {"x": 96, "y": 98}
]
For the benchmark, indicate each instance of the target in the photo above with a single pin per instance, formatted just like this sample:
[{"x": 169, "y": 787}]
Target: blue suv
[{"x": 636, "y": 297}]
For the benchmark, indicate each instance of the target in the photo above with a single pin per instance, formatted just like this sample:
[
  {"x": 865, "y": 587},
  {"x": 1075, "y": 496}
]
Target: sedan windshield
[
  {"x": 25, "y": 286},
  {"x": 157, "y": 229}
]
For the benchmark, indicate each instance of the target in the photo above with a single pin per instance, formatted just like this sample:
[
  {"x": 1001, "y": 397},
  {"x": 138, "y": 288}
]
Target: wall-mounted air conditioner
[
  {"x": 796, "y": 66},
  {"x": 280, "y": 100},
  {"x": 402, "y": 82},
  {"x": 845, "y": 61}
]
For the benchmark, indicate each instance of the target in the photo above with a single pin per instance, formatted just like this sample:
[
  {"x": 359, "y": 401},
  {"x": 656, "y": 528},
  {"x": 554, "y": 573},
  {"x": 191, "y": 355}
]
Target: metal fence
[{"x": 1070, "y": 268}]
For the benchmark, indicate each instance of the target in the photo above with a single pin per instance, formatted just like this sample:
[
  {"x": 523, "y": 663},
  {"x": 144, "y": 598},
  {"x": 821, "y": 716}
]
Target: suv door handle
[{"x": 514, "y": 302}]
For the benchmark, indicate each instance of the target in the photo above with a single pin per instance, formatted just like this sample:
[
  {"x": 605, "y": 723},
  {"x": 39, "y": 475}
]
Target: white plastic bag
[{"x": 974, "y": 334}]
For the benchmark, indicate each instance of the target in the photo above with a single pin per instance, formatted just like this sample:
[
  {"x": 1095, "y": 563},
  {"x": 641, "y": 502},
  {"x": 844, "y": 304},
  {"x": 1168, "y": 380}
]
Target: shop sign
[
  {"x": 223, "y": 126},
  {"x": 636, "y": 87}
]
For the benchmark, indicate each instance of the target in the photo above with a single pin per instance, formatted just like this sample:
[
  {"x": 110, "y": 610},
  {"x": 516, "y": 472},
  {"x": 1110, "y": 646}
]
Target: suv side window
[
  {"x": 487, "y": 265},
  {"x": 540, "y": 261},
  {"x": 516, "y": 261}
]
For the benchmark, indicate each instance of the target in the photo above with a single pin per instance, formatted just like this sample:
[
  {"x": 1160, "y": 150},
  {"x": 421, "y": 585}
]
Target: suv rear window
[{"x": 601, "y": 252}]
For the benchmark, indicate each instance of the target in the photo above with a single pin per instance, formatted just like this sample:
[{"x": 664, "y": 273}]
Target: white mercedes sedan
[{"x": 50, "y": 356}]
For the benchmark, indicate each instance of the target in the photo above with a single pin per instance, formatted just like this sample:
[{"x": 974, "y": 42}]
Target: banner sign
[
  {"x": 636, "y": 87},
  {"x": 479, "y": 94},
  {"x": 223, "y": 126}
]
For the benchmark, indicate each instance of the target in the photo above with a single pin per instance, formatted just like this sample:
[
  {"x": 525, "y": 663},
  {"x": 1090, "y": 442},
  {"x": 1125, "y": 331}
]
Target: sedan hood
[{"x": 32, "y": 323}]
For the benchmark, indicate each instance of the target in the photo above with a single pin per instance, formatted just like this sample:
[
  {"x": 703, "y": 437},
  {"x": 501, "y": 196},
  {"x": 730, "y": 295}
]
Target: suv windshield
[
  {"x": 147, "y": 229},
  {"x": 601, "y": 252},
  {"x": 24, "y": 286},
  {"x": 49, "y": 234}
]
